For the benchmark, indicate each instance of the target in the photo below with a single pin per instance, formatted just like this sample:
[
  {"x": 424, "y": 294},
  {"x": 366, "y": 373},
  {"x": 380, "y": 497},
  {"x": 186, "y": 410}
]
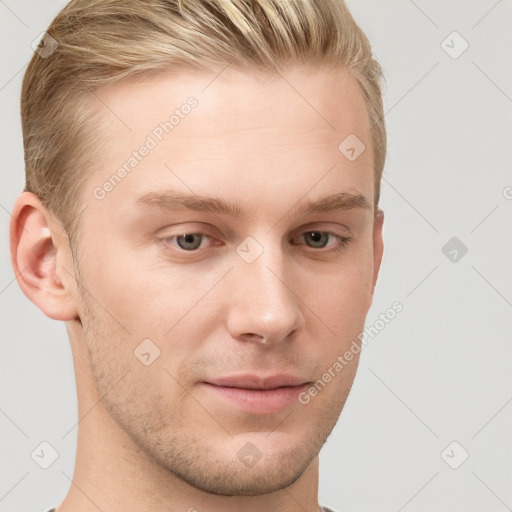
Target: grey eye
[
  {"x": 318, "y": 239},
  {"x": 189, "y": 241}
]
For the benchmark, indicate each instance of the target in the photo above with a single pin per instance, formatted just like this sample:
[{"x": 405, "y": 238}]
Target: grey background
[{"x": 439, "y": 372}]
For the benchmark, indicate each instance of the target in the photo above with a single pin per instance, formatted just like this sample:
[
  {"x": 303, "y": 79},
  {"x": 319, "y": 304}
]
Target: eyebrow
[{"x": 177, "y": 201}]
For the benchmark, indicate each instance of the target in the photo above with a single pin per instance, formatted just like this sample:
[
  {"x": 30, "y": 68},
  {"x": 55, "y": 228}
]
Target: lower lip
[{"x": 259, "y": 401}]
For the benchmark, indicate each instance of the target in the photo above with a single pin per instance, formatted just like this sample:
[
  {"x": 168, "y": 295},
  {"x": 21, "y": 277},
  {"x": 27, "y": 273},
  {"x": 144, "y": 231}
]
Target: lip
[
  {"x": 257, "y": 394},
  {"x": 259, "y": 382}
]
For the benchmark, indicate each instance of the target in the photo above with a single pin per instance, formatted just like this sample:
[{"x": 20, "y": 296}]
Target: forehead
[
  {"x": 233, "y": 132},
  {"x": 314, "y": 94}
]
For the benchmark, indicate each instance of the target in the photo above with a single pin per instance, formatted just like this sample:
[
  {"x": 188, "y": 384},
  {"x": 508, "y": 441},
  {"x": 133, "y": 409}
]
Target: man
[{"x": 201, "y": 210}]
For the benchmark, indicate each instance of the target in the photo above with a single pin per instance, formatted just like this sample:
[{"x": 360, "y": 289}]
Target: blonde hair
[{"x": 98, "y": 42}]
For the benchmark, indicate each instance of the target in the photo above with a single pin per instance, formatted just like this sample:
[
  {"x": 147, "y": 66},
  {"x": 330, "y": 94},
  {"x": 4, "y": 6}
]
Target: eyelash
[{"x": 342, "y": 239}]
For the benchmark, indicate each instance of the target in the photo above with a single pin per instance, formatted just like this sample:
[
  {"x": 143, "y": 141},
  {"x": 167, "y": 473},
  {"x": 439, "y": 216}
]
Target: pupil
[
  {"x": 189, "y": 241},
  {"x": 317, "y": 238}
]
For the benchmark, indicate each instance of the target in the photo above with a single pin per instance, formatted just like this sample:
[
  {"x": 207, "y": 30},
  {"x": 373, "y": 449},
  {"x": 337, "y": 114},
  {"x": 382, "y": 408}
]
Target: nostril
[{"x": 254, "y": 337}]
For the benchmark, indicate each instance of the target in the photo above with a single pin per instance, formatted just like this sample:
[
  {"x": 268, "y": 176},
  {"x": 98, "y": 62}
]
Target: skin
[{"x": 153, "y": 437}]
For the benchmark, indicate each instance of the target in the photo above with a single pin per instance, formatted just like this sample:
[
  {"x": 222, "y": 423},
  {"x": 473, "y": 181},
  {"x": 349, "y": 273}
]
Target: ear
[
  {"x": 378, "y": 245},
  {"x": 42, "y": 259}
]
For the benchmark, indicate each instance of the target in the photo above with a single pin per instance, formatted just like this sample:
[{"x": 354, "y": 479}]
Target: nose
[{"x": 263, "y": 306}]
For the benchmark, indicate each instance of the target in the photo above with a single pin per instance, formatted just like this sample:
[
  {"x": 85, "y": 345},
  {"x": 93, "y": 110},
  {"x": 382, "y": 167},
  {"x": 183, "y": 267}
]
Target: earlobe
[{"x": 37, "y": 250}]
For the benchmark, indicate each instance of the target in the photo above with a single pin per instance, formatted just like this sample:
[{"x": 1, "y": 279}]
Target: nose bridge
[{"x": 262, "y": 303}]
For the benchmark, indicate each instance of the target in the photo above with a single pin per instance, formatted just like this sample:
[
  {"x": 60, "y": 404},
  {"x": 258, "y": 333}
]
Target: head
[{"x": 201, "y": 203}]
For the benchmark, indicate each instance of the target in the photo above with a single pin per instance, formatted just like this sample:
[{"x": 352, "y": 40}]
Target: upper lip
[{"x": 253, "y": 381}]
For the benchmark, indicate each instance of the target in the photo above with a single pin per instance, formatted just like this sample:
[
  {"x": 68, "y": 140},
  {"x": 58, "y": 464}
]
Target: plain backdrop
[{"x": 427, "y": 424}]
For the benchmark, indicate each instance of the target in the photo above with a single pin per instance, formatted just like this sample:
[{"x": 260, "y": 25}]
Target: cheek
[
  {"x": 342, "y": 298},
  {"x": 135, "y": 296},
  {"x": 169, "y": 306},
  {"x": 136, "y": 372}
]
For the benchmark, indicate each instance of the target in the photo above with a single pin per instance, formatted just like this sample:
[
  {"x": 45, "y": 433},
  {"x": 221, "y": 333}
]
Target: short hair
[{"x": 99, "y": 42}]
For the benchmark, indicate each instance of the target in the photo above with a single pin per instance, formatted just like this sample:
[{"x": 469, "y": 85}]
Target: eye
[
  {"x": 317, "y": 239},
  {"x": 320, "y": 239},
  {"x": 188, "y": 241}
]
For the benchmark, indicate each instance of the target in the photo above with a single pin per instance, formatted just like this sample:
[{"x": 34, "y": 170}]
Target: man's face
[{"x": 268, "y": 289}]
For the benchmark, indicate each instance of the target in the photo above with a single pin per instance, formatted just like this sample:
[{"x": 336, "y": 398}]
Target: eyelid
[
  {"x": 190, "y": 227},
  {"x": 325, "y": 227}
]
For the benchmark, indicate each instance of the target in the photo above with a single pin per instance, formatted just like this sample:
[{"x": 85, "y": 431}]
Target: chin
[
  {"x": 232, "y": 481},
  {"x": 216, "y": 472}
]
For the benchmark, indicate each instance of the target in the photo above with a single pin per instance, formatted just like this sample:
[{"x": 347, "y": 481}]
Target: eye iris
[
  {"x": 318, "y": 238},
  {"x": 190, "y": 241}
]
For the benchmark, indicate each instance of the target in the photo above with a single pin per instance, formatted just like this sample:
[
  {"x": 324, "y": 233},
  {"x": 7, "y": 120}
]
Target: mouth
[{"x": 257, "y": 394}]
